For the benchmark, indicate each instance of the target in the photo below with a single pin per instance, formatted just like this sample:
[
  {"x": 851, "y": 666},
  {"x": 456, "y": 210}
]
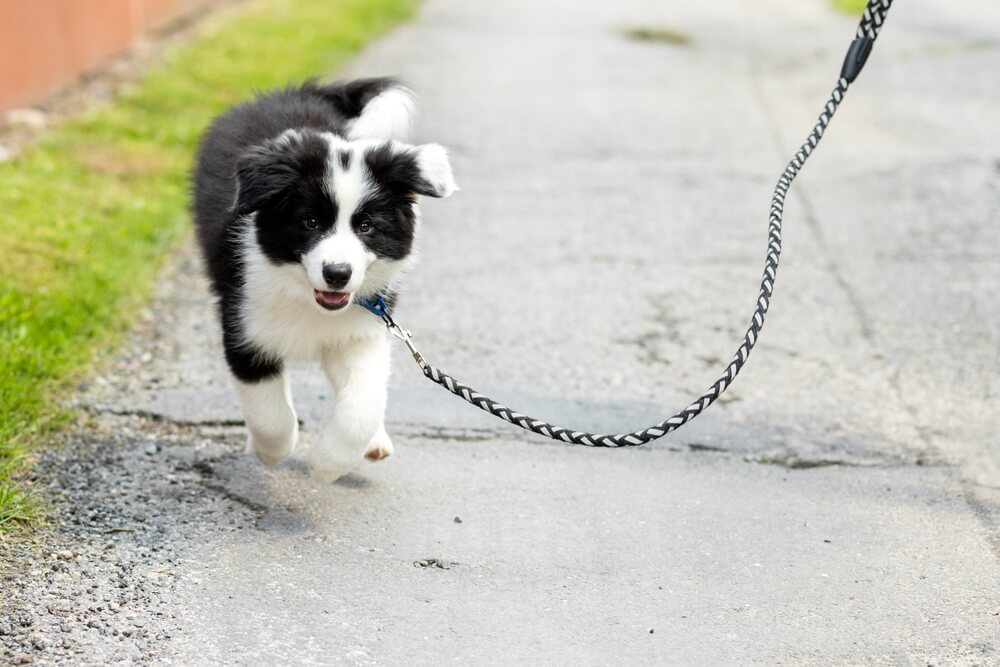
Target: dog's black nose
[{"x": 336, "y": 275}]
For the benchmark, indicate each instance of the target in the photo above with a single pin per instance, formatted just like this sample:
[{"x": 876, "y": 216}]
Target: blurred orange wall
[{"x": 45, "y": 44}]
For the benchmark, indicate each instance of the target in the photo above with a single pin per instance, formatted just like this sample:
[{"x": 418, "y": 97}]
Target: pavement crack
[
  {"x": 793, "y": 461},
  {"x": 812, "y": 221},
  {"x": 852, "y": 296},
  {"x": 237, "y": 498},
  {"x": 833, "y": 268},
  {"x": 449, "y": 434},
  {"x": 701, "y": 447},
  {"x": 208, "y": 481},
  {"x": 987, "y": 513},
  {"x": 158, "y": 417}
]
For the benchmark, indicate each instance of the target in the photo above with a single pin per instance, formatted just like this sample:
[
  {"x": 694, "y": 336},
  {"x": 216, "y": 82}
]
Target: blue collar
[{"x": 376, "y": 305}]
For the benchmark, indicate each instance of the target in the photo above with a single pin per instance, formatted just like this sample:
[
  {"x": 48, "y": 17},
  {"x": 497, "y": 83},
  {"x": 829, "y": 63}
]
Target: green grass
[
  {"x": 93, "y": 209},
  {"x": 853, "y": 7}
]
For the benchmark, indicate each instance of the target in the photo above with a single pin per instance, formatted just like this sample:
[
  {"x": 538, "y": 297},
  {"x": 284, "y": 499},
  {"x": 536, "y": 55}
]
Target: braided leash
[{"x": 857, "y": 54}]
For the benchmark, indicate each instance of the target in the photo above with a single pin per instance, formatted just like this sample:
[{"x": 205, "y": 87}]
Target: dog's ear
[
  {"x": 262, "y": 174},
  {"x": 266, "y": 171},
  {"x": 412, "y": 170}
]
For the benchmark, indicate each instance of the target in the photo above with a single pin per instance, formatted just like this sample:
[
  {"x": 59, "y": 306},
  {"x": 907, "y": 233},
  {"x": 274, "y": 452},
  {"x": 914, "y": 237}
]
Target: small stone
[
  {"x": 458, "y": 519},
  {"x": 651, "y": 631},
  {"x": 27, "y": 118}
]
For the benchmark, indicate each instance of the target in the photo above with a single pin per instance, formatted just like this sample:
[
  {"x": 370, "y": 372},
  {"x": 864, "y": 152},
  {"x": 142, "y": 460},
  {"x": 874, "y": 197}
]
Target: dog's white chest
[{"x": 280, "y": 318}]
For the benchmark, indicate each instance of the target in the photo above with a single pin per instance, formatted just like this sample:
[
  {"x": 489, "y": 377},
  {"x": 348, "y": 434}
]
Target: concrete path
[{"x": 840, "y": 505}]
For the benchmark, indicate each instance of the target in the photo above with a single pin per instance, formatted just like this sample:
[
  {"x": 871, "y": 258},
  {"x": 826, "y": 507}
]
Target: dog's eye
[
  {"x": 364, "y": 227},
  {"x": 310, "y": 223}
]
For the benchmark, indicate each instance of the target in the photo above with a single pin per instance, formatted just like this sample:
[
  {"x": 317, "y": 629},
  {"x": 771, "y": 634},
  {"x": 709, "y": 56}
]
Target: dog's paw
[
  {"x": 380, "y": 447},
  {"x": 271, "y": 453}
]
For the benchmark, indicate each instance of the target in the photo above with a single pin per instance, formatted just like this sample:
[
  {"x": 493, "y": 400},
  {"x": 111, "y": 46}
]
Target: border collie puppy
[{"x": 305, "y": 202}]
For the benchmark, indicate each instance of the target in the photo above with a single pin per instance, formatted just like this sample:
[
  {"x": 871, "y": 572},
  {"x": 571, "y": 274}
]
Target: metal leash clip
[
  {"x": 377, "y": 305},
  {"x": 403, "y": 335}
]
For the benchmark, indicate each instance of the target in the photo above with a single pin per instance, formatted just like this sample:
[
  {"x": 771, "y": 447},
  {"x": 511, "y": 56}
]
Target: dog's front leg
[
  {"x": 270, "y": 418},
  {"x": 359, "y": 373}
]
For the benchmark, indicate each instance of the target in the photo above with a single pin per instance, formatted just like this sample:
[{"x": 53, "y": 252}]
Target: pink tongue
[{"x": 333, "y": 298}]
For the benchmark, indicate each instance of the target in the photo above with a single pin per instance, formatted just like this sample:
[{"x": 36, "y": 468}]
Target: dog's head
[{"x": 345, "y": 211}]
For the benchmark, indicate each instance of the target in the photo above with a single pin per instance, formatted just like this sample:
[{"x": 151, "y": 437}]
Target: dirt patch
[
  {"x": 661, "y": 34},
  {"x": 435, "y": 564},
  {"x": 121, "y": 161}
]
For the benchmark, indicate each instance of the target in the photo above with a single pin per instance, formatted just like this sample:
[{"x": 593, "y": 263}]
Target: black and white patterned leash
[{"x": 857, "y": 54}]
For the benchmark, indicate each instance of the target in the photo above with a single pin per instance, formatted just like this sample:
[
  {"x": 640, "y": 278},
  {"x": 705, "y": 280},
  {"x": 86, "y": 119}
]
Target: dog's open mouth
[{"x": 332, "y": 300}]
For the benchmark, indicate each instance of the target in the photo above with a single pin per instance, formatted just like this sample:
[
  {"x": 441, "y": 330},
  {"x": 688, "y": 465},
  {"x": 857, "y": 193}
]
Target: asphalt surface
[{"x": 841, "y": 505}]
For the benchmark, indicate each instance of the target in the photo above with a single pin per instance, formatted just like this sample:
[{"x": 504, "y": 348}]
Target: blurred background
[{"x": 46, "y": 44}]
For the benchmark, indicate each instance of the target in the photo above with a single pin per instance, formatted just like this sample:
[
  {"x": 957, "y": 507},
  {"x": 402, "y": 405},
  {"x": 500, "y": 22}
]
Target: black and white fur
[{"x": 305, "y": 202}]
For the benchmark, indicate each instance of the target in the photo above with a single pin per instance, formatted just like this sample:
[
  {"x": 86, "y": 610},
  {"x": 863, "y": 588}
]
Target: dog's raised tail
[{"x": 376, "y": 108}]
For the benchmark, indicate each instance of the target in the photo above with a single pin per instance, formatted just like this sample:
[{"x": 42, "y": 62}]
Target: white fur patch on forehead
[
  {"x": 349, "y": 182},
  {"x": 388, "y": 115},
  {"x": 352, "y": 177}
]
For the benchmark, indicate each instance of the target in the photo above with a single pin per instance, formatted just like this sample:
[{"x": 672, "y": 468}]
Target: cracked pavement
[{"x": 840, "y": 505}]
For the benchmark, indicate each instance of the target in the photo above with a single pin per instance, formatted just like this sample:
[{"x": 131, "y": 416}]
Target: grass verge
[{"x": 92, "y": 210}]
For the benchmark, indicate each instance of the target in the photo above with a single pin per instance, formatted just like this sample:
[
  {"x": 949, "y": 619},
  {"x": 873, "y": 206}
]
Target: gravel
[{"x": 98, "y": 582}]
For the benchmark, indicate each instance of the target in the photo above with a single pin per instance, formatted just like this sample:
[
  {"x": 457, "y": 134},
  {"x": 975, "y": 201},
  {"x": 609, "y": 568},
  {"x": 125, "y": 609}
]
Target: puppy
[{"x": 305, "y": 203}]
